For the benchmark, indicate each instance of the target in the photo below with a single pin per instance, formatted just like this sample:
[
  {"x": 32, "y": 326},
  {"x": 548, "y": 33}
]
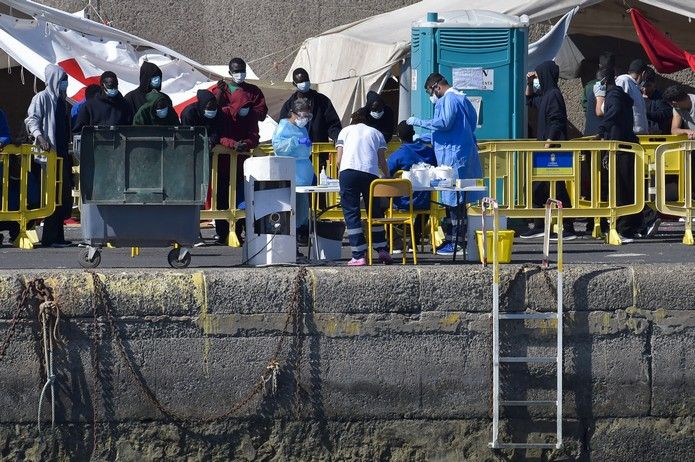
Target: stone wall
[{"x": 392, "y": 364}]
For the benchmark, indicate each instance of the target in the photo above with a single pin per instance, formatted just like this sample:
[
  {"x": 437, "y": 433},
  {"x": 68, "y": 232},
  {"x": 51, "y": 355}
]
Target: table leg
[{"x": 458, "y": 227}]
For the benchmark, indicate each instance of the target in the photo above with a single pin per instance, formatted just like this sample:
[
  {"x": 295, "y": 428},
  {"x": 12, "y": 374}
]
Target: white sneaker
[{"x": 625, "y": 240}]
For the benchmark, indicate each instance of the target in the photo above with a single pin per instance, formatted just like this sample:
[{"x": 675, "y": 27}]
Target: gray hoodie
[{"x": 41, "y": 113}]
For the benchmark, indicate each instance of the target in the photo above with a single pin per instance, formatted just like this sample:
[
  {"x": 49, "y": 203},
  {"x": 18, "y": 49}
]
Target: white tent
[{"x": 348, "y": 61}]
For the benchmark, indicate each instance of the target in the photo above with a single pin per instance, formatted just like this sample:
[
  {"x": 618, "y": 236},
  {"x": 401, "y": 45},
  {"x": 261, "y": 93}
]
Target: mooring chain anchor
[
  {"x": 49, "y": 313},
  {"x": 274, "y": 368}
]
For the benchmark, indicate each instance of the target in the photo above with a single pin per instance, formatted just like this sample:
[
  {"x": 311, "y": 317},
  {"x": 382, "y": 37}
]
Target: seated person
[{"x": 157, "y": 110}]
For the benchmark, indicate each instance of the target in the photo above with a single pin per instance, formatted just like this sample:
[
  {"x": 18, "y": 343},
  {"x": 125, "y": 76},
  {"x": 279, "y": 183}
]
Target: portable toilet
[{"x": 483, "y": 54}]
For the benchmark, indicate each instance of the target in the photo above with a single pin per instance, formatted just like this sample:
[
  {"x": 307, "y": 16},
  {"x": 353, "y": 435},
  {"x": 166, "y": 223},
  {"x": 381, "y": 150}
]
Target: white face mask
[
  {"x": 536, "y": 85},
  {"x": 162, "y": 113},
  {"x": 434, "y": 98},
  {"x": 243, "y": 112},
  {"x": 239, "y": 77},
  {"x": 302, "y": 122},
  {"x": 304, "y": 86},
  {"x": 377, "y": 115}
]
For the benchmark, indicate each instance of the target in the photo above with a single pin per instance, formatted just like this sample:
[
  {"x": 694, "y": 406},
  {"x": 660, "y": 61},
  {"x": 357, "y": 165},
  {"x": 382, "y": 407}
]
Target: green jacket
[{"x": 147, "y": 114}]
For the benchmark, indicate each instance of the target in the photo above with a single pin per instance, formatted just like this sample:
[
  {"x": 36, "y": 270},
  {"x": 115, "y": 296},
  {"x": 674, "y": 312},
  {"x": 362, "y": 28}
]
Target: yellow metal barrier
[
  {"x": 563, "y": 164},
  {"x": 230, "y": 214},
  {"x": 50, "y": 186},
  {"x": 672, "y": 165},
  {"x": 665, "y": 154}
]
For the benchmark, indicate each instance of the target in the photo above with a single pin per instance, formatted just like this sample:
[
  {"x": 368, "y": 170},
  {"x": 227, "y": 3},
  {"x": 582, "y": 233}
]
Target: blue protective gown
[
  {"x": 453, "y": 137},
  {"x": 286, "y": 143}
]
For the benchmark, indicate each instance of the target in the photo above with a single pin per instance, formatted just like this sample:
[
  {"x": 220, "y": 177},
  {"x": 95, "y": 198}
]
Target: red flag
[{"x": 665, "y": 55}]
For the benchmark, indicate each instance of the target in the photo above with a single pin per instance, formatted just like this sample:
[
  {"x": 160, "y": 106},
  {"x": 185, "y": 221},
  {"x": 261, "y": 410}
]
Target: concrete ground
[{"x": 665, "y": 247}]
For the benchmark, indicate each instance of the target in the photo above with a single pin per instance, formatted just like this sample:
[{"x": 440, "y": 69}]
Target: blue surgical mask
[
  {"x": 63, "y": 86},
  {"x": 162, "y": 113},
  {"x": 536, "y": 85},
  {"x": 434, "y": 98},
  {"x": 210, "y": 113},
  {"x": 304, "y": 86},
  {"x": 244, "y": 111},
  {"x": 111, "y": 92},
  {"x": 238, "y": 77},
  {"x": 377, "y": 115},
  {"x": 302, "y": 122},
  {"x": 156, "y": 82}
]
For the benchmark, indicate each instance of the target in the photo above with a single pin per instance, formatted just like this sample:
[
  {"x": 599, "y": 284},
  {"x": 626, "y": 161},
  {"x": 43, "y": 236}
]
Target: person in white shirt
[
  {"x": 630, "y": 83},
  {"x": 361, "y": 154}
]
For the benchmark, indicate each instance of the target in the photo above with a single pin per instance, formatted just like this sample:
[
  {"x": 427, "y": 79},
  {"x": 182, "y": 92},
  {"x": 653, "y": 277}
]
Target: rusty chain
[{"x": 294, "y": 318}]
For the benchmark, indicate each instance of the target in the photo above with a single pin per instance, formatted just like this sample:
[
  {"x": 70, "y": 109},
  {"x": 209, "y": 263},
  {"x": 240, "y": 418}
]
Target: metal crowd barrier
[
  {"x": 676, "y": 156},
  {"x": 50, "y": 184},
  {"x": 520, "y": 164}
]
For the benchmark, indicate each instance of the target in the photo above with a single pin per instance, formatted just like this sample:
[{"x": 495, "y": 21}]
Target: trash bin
[
  {"x": 504, "y": 245},
  {"x": 327, "y": 241},
  {"x": 142, "y": 187}
]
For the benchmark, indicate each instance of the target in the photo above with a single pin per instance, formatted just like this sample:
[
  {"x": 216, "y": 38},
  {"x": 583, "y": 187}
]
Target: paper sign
[
  {"x": 473, "y": 78},
  {"x": 488, "y": 79}
]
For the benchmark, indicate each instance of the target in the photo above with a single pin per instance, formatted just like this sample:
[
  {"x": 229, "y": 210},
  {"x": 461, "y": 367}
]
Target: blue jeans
[{"x": 354, "y": 185}]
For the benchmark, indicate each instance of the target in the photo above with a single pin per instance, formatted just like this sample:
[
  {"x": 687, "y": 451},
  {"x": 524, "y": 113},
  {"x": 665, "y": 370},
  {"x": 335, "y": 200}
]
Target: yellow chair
[
  {"x": 391, "y": 189},
  {"x": 430, "y": 219}
]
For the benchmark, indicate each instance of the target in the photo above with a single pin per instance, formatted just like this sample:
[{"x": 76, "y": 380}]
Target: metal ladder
[{"x": 490, "y": 205}]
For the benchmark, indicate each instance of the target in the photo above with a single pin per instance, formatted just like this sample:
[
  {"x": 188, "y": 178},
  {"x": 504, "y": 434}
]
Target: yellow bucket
[{"x": 504, "y": 246}]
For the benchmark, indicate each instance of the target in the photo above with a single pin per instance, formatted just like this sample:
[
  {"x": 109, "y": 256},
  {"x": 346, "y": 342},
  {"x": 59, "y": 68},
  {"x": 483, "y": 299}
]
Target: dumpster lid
[{"x": 475, "y": 19}]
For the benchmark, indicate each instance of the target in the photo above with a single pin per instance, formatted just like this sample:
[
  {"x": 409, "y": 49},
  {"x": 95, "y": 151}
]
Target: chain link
[{"x": 269, "y": 374}]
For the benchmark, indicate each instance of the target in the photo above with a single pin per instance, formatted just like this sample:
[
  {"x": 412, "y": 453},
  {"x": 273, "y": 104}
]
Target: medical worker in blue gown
[
  {"x": 453, "y": 137},
  {"x": 291, "y": 139}
]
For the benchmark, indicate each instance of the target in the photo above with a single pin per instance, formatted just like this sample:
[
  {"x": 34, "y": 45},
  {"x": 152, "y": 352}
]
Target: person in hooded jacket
[
  {"x": 617, "y": 125},
  {"x": 379, "y": 115},
  {"x": 150, "y": 79},
  {"x": 224, "y": 90},
  {"x": 204, "y": 113},
  {"x": 158, "y": 110},
  {"x": 107, "y": 108},
  {"x": 551, "y": 126},
  {"x": 48, "y": 122},
  {"x": 239, "y": 132}
]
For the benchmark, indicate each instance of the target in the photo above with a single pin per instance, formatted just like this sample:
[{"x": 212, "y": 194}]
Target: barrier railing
[
  {"x": 15, "y": 170},
  {"x": 520, "y": 164},
  {"x": 678, "y": 156},
  {"x": 231, "y": 214}
]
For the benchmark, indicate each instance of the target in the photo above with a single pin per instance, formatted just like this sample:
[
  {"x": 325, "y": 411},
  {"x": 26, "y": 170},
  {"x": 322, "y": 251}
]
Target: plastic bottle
[{"x": 323, "y": 178}]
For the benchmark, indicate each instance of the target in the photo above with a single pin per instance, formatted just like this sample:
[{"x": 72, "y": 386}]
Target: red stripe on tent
[
  {"x": 73, "y": 69},
  {"x": 666, "y": 56}
]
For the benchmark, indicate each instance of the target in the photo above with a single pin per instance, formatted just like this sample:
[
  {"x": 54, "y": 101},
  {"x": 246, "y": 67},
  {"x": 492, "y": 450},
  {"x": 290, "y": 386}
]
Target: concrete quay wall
[{"x": 392, "y": 363}]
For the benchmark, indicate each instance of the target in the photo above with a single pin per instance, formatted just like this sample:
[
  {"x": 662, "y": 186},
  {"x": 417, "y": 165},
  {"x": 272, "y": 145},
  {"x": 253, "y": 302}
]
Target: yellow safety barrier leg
[{"x": 688, "y": 236}]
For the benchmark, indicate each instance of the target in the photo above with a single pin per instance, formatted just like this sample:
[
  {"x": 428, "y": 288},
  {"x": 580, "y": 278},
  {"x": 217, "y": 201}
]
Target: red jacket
[
  {"x": 252, "y": 92},
  {"x": 237, "y": 129}
]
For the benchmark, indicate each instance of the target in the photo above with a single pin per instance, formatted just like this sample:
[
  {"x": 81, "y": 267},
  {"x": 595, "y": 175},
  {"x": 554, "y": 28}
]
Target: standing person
[
  {"x": 617, "y": 124},
  {"x": 291, "y": 139},
  {"x": 455, "y": 145},
  {"x": 108, "y": 108},
  {"x": 361, "y": 154},
  {"x": 48, "y": 122},
  {"x": 204, "y": 113},
  {"x": 606, "y": 60},
  {"x": 90, "y": 92},
  {"x": 551, "y": 126},
  {"x": 325, "y": 123},
  {"x": 630, "y": 83},
  {"x": 158, "y": 110},
  {"x": 150, "y": 79},
  {"x": 659, "y": 112},
  {"x": 239, "y": 132},
  {"x": 379, "y": 115},
  {"x": 224, "y": 90}
]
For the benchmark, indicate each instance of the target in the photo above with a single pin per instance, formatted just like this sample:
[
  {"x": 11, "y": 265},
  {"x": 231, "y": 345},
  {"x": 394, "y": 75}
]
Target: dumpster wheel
[
  {"x": 174, "y": 261},
  {"x": 85, "y": 262}
]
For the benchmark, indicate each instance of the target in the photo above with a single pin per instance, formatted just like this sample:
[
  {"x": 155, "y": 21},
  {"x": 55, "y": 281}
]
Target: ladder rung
[
  {"x": 528, "y": 359},
  {"x": 528, "y": 315},
  {"x": 529, "y": 402},
  {"x": 526, "y": 446}
]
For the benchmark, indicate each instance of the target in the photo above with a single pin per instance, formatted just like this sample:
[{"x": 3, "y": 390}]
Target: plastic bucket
[{"x": 504, "y": 246}]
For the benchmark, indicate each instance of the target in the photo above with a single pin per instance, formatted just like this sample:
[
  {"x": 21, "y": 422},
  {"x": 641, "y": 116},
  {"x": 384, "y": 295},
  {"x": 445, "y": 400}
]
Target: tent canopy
[{"x": 348, "y": 61}]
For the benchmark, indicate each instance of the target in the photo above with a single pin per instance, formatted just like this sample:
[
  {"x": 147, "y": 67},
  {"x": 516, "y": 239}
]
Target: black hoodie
[
  {"x": 552, "y": 113},
  {"x": 617, "y": 119},
  {"x": 194, "y": 115},
  {"x": 136, "y": 98},
  {"x": 386, "y": 124}
]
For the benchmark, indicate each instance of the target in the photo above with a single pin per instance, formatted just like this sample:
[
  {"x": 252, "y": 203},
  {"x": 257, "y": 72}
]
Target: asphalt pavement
[{"x": 665, "y": 247}]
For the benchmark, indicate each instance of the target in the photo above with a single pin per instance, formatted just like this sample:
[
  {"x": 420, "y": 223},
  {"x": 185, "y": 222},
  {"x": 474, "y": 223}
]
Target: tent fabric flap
[{"x": 666, "y": 56}]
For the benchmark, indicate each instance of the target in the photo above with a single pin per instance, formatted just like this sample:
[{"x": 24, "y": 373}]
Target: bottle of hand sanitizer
[{"x": 323, "y": 178}]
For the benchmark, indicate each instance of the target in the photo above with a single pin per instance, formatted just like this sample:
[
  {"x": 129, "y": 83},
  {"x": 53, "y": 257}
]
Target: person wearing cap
[
  {"x": 379, "y": 115},
  {"x": 325, "y": 124},
  {"x": 224, "y": 90}
]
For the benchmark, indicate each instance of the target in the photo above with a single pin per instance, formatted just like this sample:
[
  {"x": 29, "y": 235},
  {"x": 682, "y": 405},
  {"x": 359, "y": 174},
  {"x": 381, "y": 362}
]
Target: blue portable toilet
[{"x": 482, "y": 53}]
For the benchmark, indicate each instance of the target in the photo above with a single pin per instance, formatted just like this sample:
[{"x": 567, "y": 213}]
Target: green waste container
[{"x": 142, "y": 187}]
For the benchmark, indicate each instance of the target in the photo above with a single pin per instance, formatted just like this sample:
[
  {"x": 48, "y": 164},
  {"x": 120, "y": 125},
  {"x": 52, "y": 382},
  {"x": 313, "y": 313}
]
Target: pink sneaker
[
  {"x": 385, "y": 257},
  {"x": 357, "y": 262}
]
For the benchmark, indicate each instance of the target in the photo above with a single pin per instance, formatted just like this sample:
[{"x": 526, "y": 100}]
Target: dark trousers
[
  {"x": 625, "y": 194},
  {"x": 454, "y": 224},
  {"x": 541, "y": 193},
  {"x": 53, "y": 226},
  {"x": 354, "y": 186}
]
